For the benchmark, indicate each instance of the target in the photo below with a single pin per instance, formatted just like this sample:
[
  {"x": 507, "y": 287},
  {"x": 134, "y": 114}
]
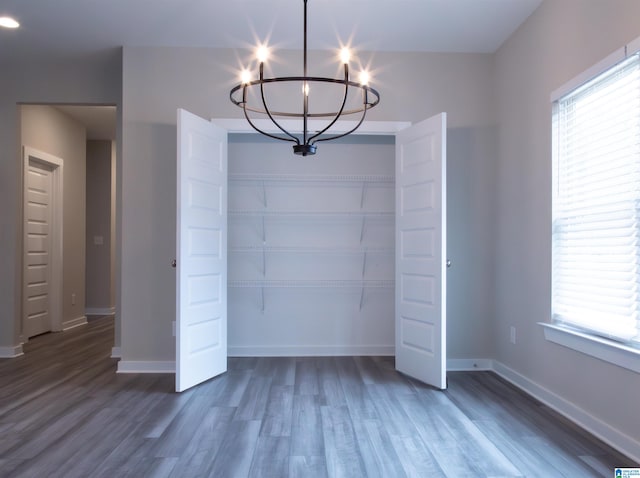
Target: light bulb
[
  {"x": 262, "y": 53},
  {"x": 364, "y": 77},
  {"x": 245, "y": 77},
  {"x": 8, "y": 22},
  {"x": 345, "y": 55}
]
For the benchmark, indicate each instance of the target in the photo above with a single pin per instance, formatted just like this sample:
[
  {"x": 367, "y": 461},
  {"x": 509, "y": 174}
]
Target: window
[{"x": 596, "y": 205}]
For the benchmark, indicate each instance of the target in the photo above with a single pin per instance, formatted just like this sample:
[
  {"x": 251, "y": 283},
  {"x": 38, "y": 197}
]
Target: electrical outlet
[
  {"x": 512, "y": 335},
  {"x": 73, "y": 299}
]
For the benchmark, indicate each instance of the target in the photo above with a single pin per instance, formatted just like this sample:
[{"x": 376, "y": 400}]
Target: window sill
[{"x": 598, "y": 347}]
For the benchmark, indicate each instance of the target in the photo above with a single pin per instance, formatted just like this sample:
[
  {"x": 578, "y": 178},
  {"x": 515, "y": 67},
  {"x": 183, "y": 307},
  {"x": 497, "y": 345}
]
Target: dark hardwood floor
[{"x": 64, "y": 412}]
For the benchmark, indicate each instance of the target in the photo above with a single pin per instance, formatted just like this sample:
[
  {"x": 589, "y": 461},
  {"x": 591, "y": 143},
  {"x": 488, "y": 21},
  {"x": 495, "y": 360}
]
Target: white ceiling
[
  {"x": 51, "y": 27},
  {"x": 58, "y": 28},
  {"x": 100, "y": 121}
]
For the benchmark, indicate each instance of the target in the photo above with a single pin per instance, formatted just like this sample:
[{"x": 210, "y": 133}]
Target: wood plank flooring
[{"x": 64, "y": 412}]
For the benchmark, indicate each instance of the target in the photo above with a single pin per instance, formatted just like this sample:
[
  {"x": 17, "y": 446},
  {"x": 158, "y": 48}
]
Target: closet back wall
[{"x": 311, "y": 248}]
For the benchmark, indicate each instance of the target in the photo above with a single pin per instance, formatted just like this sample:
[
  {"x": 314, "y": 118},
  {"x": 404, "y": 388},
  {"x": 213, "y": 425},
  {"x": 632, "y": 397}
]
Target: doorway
[{"x": 72, "y": 134}]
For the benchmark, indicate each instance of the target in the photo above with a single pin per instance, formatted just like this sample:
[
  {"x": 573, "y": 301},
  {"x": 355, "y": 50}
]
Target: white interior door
[
  {"x": 421, "y": 251},
  {"x": 42, "y": 243},
  {"x": 201, "y": 259},
  {"x": 38, "y": 217}
]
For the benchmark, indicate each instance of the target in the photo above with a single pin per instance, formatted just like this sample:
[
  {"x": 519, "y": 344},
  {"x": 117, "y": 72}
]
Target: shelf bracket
[
  {"x": 264, "y": 194},
  {"x": 364, "y": 219},
  {"x": 364, "y": 184},
  {"x": 264, "y": 232},
  {"x": 364, "y": 263},
  {"x": 262, "y": 297},
  {"x": 264, "y": 262},
  {"x": 361, "y": 296}
]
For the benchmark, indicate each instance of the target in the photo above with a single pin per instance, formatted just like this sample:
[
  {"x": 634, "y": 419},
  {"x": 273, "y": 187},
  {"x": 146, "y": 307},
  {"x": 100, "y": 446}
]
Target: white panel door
[
  {"x": 38, "y": 217},
  {"x": 201, "y": 260},
  {"x": 421, "y": 251}
]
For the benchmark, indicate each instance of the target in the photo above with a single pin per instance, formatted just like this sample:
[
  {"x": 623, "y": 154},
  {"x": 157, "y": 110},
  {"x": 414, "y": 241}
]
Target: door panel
[
  {"x": 37, "y": 243},
  {"x": 201, "y": 296},
  {"x": 421, "y": 251}
]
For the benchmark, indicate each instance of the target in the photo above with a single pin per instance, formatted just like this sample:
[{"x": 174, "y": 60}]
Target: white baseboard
[
  {"x": 465, "y": 365},
  {"x": 138, "y": 366},
  {"x": 116, "y": 352},
  {"x": 311, "y": 351},
  {"x": 11, "y": 352},
  {"x": 70, "y": 324},
  {"x": 135, "y": 366},
  {"x": 100, "y": 311},
  {"x": 618, "y": 440}
]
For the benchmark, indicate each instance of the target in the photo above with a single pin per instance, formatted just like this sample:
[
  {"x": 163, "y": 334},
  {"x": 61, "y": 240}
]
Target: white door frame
[
  {"x": 385, "y": 128},
  {"x": 57, "y": 166}
]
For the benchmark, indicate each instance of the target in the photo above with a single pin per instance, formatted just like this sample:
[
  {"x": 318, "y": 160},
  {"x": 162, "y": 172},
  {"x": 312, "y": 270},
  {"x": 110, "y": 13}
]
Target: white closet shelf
[
  {"x": 316, "y": 178},
  {"x": 313, "y": 250},
  {"x": 303, "y": 214},
  {"x": 318, "y": 284}
]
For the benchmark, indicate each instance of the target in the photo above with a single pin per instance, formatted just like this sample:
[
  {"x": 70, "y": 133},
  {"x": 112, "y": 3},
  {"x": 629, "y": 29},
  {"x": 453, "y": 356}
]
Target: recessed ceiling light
[{"x": 8, "y": 22}]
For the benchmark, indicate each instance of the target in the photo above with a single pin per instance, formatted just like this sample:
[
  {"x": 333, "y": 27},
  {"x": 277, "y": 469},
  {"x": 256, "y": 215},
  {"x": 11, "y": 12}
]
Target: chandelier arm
[
  {"x": 246, "y": 115},
  {"x": 284, "y": 114},
  {"x": 301, "y": 79},
  {"x": 266, "y": 109},
  {"x": 295, "y": 140},
  {"x": 339, "y": 113},
  {"x": 364, "y": 114}
]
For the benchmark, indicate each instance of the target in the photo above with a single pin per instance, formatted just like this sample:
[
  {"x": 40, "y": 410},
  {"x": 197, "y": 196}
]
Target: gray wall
[
  {"x": 48, "y": 130},
  {"x": 100, "y": 297},
  {"x": 559, "y": 41},
  {"x": 95, "y": 79},
  {"x": 157, "y": 81}
]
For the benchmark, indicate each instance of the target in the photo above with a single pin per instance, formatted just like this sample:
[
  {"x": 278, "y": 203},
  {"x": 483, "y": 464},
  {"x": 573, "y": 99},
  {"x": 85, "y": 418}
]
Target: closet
[
  {"x": 311, "y": 247},
  {"x": 341, "y": 253}
]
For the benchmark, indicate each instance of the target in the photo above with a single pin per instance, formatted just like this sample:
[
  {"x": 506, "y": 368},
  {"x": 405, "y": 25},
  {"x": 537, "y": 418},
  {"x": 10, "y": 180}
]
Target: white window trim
[
  {"x": 603, "y": 65},
  {"x": 599, "y": 347}
]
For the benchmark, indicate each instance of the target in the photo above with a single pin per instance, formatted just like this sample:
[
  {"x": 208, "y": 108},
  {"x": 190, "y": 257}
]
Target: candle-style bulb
[
  {"x": 345, "y": 55},
  {"x": 262, "y": 53},
  {"x": 245, "y": 76}
]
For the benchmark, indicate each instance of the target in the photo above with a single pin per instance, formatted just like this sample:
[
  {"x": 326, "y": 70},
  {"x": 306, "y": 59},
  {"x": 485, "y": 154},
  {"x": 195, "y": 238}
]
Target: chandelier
[{"x": 251, "y": 96}]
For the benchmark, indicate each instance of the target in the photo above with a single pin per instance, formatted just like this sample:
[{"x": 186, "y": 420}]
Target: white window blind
[{"x": 596, "y": 205}]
